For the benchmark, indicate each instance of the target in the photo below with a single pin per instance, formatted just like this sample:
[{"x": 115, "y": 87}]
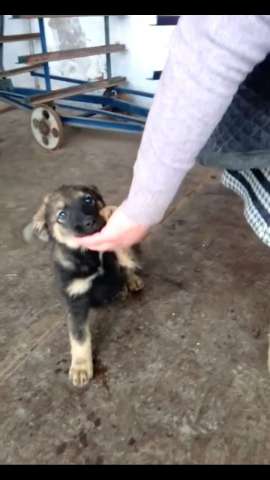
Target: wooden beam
[
  {"x": 6, "y": 110},
  {"x": 18, "y": 38},
  {"x": 68, "y": 54},
  {"x": 71, "y": 91},
  {"x": 19, "y": 71}
]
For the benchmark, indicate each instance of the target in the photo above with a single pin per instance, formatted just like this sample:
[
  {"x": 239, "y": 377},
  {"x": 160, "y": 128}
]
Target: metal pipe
[
  {"x": 45, "y": 50},
  {"x": 101, "y": 124},
  {"x": 105, "y": 113},
  {"x": 126, "y": 107},
  {"x": 21, "y": 92},
  {"x": 32, "y": 51},
  {"x": 134, "y": 92},
  {"x": 2, "y": 21},
  {"x": 58, "y": 78},
  {"x": 107, "y": 41},
  {"x": 81, "y": 82},
  {"x": 15, "y": 103}
]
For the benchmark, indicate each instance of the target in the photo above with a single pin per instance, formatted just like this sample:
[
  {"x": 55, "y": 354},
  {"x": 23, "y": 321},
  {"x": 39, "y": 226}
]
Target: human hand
[{"x": 119, "y": 233}]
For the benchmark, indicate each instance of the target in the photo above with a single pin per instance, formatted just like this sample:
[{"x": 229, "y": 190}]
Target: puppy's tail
[{"x": 28, "y": 233}]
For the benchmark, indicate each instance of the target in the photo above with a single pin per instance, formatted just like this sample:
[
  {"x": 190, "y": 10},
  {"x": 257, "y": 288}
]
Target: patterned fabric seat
[{"x": 241, "y": 146}]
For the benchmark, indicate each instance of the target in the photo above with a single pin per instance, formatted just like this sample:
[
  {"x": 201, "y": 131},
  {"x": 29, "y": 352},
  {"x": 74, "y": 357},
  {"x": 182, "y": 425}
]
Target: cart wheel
[
  {"x": 47, "y": 127},
  {"x": 110, "y": 92}
]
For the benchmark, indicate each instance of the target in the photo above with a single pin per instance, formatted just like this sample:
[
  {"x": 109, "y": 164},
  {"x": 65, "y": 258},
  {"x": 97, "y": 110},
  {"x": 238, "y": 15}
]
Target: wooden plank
[
  {"x": 71, "y": 91},
  {"x": 68, "y": 54},
  {"x": 18, "y": 38},
  {"x": 6, "y": 110},
  {"x": 19, "y": 71}
]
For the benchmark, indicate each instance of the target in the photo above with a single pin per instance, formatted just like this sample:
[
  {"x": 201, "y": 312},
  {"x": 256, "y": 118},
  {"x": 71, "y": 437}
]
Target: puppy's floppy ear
[
  {"x": 38, "y": 227},
  {"x": 99, "y": 196}
]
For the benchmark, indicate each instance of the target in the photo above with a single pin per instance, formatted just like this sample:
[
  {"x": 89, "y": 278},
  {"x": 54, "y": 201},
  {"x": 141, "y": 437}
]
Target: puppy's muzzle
[{"x": 89, "y": 226}]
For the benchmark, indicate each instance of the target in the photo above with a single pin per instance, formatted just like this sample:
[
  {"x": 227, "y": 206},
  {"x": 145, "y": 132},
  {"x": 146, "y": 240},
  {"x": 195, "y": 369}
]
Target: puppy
[{"x": 87, "y": 279}]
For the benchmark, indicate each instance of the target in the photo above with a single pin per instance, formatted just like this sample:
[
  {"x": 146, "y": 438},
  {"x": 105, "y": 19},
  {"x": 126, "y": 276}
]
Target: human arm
[{"x": 209, "y": 57}]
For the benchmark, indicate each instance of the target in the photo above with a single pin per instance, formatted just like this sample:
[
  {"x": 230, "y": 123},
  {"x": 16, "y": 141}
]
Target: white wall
[
  {"x": 147, "y": 47},
  {"x": 13, "y": 50}
]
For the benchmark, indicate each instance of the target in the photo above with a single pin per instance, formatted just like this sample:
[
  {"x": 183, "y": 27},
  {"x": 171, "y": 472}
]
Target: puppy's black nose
[
  {"x": 79, "y": 229},
  {"x": 88, "y": 222}
]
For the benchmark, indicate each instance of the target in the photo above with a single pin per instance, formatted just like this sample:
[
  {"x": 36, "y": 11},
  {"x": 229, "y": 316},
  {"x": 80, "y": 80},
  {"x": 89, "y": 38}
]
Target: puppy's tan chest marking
[
  {"x": 80, "y": 286},
  {"x": 62, "y": 260}
]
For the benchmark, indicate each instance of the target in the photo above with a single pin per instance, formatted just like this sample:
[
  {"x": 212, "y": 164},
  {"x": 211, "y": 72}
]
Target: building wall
[{"x": 147, "y": 48}]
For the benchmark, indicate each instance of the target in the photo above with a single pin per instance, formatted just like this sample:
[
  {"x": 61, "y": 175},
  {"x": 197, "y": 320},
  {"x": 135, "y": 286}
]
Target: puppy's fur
[{"x": 87, "y": 279}]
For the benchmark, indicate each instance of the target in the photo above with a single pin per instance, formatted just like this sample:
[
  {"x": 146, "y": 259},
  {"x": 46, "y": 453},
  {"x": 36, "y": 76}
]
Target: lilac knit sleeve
[{"x": 210, "y": 56}]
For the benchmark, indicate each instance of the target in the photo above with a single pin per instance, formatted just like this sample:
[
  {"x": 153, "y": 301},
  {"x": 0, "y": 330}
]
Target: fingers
[
  {"x": 119, "y": 232},
  {"x": 99, "y": 242},
  {"x": 105, "y": 247}
]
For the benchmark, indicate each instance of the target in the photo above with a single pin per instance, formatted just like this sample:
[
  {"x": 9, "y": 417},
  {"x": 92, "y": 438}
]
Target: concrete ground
[{"x": 181, "y": 370}]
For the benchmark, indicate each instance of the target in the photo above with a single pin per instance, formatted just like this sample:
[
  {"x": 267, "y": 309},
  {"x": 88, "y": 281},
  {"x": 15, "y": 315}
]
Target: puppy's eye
[
  {"x": 89, "y": 200},
  {"x": 62, "y": 216}
]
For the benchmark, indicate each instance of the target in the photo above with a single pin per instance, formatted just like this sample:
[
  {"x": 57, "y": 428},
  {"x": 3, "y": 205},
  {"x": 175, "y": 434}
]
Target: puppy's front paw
[
  {"x": 81, "y": 374},
  {"x": 107, "y": 212},
  {"x": 123, "y": 295},
  {"x": 135, "y": 283}
]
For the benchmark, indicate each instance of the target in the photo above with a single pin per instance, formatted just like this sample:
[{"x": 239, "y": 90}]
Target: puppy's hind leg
[
  {"x": 135, "y": 282},
  {"x": 126, "y": 259}
]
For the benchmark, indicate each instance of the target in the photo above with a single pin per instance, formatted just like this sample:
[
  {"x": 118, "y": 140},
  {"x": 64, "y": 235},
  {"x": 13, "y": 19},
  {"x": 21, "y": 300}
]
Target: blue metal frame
[
  {"x": 90, "y": 111},
  {"x": 107, "y": 41},
  {"x": 81, "y": 82},
  {"x": 2, "y": 18},
  {"x": 45, "y": 50},
  {"x": 114, "y": 121}
]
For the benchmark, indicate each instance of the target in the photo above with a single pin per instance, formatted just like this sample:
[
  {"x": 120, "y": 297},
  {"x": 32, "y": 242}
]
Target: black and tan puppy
[{"x": 87, "y": 279}]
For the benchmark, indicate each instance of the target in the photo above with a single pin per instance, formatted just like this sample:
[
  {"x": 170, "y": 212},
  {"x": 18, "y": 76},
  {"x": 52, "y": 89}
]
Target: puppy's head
[{"x": 67, "y": 213}]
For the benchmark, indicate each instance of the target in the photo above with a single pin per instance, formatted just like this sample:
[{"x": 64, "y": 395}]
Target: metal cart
[{"x": 52, "y": 109}]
